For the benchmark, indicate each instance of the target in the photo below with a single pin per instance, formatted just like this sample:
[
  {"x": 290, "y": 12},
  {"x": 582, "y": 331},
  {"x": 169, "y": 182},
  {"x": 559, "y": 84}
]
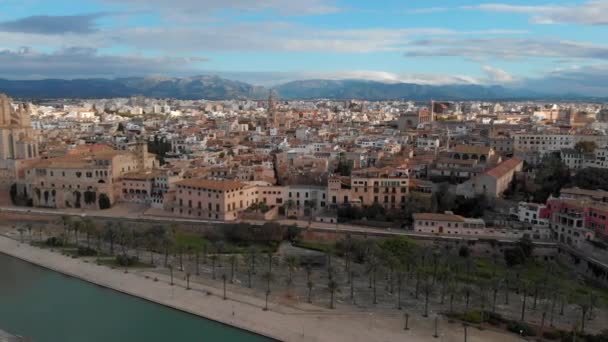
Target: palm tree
[
  {"x": 233, "y": 262},
  {"x": 21, "y": 231},
  {"x": 110, "y": 235},
  {"x": 373, "y": 264},
  {"x": 29, "y": 230},
  {"x": 332, "y": 287},
  {"x": 214, "y": 259},
  {"x": 65, "y": 220},
  {"x": 224, "y": 281},
  {"x": 451, "y": 289},
  {"x": 76, "y": 226},
  {"x": 309, "y": 283},
  {"x": 88, "y": 226},
  {"x": 292, "y": 263},
  {"x": 427, "y": 288},
  {"x": 268, "y": 277}
]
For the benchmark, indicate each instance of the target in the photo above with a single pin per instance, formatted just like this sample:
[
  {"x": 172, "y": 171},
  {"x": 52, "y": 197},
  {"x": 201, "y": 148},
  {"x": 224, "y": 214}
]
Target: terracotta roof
[
  {"x": 211, "y": 184},
  {"x": 471, "y": 149},
  {"x": 438, "y": 217},
  {"x": 504, "y": 167}
]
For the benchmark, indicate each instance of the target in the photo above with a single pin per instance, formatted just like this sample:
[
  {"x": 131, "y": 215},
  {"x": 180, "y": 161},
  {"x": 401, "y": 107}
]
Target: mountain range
[{"x": 217, "y": 88}]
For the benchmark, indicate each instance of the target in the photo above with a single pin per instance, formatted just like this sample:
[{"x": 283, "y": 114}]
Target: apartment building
[
  {"x": 388, "y": 187},
  {"x": 573, "y": 222},
  {"x": 547, "y": 143},
  {"x": 221, "y": 200}
]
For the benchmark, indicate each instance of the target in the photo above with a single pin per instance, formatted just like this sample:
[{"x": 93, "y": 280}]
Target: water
[{"x": 48, "y": 306}]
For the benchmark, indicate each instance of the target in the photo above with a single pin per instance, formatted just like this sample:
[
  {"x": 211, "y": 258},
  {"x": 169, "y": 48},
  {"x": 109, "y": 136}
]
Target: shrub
[
  {"x": 54, "y": 242},
  {"x": 86, "y": 251},
  {"x": 521, "y": 328},
  {"x": 551, "y": 335},
  {"x": 494, "y": 318},
  {"x": 125, "y": 260},
  {"x": 472, "y": 316}
]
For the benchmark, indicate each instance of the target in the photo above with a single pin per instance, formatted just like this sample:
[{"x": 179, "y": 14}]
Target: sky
[{"x": 555, "y": 45}]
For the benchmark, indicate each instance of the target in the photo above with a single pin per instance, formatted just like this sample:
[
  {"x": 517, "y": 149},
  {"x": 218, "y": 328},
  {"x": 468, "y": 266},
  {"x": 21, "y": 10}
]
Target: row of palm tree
[{"x": 445, "y": 274}]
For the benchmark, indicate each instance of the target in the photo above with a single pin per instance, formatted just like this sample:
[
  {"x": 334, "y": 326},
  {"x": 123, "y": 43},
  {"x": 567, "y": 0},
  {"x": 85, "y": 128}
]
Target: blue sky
[{"x": 532, "y": 43}]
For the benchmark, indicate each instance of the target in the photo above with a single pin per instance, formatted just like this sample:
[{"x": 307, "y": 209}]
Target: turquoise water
[{"x": 48, "y": 306}]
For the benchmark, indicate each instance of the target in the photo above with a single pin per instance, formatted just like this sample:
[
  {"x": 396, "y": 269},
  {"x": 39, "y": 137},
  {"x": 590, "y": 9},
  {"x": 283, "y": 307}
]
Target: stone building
[{"x": 18, "y": 140}]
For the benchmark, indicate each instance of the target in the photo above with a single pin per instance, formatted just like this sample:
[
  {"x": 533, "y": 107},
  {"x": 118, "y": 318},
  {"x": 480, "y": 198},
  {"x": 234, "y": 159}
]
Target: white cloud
[
  {"x": 588, "y": 13},
  {"x": 505, "y": 48},
  {"x": 496, "y": 75},
  {"x": 426, "y": 10},
  {"x": 193, "y": 9},
  {"x": 78, "y": 62}
]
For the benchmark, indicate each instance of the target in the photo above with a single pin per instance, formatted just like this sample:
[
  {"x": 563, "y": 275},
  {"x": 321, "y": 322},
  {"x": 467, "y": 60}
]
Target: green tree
[
  {"x": 332, "y": 287},
  {"x": 585, "y": 146}
]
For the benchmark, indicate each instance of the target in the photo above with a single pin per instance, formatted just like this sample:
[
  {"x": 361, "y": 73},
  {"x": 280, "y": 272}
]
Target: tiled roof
[
  {"x": 438, "y": 217},
  {"x": 504, "y": 167},
  {"x": 471, "y": 149},
  {"x": 211, "y": 184}
]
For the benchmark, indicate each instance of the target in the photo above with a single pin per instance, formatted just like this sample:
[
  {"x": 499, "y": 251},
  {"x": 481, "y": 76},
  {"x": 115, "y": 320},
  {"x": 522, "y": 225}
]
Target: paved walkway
[{"x": 286, "y": 323}]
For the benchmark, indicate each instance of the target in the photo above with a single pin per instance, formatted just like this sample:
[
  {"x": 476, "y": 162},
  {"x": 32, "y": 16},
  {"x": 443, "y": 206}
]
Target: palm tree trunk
[
  {"x": 451, "y": 302},
  {"x": 197, "y": 256},
  {"x": 232, "y": 271},
  {"x": 181, "y": 261},
  {"x": 331, "y": 306},
  {"x": 467, "y": 296},
  {"x": 310, "y": 294},
  {"x": 523, "y": 306},
  {"x": 583, "y": 314},
  {"x": 374, "y": 287},
  {"x": 352, "y": 285},
  {"x": 399, "y": 281},
  {"x": 552, "y": 310},
  {"x": 494, "y": 297},
  {"x": 426, "y": 303}
]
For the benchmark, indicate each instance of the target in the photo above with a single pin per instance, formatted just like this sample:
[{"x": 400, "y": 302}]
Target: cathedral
[
  {"x": 18, "y": 140},
  {"x": 17, "y": 137}
]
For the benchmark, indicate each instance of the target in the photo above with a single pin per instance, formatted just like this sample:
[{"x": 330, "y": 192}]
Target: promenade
[{"x": 282, "y": 322}]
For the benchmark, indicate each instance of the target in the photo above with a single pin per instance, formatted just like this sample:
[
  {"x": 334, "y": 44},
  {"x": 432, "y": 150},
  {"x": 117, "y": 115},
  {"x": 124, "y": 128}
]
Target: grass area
[{"x": 315, "y": 246}]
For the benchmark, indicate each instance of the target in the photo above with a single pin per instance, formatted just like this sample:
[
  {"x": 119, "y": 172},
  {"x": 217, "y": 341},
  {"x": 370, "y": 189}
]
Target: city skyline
[{"x": 554, "y": 45}]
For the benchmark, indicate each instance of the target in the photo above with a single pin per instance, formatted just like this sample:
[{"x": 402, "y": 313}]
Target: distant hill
[
  {"x": 199, "y": 87},
  {"x": 216, "y": 88},
  {"x": 371, "y": 90}
]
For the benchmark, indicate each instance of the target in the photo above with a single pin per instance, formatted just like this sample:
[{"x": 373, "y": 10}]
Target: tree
[
  {"x": 21, "y": 231},
  {"x": 551, "y": 175},
  {"x": 292, "y": 263},
  {"x": 585, "y": 146},
  {"x": 268, "y": 277},
  {"x": 104, "y": 202},
  {"x": 591, "y": 178},
  {"x": 309, "y": 283},
  {"x": 89, "y": 228},
  {"x": 332, "y": 287},
  {"x": 110, "y": 235},
  {"x": 66, "y": 221}
]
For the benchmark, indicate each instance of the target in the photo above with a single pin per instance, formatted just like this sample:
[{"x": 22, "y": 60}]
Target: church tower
[{"x": 272, "y": 110}]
